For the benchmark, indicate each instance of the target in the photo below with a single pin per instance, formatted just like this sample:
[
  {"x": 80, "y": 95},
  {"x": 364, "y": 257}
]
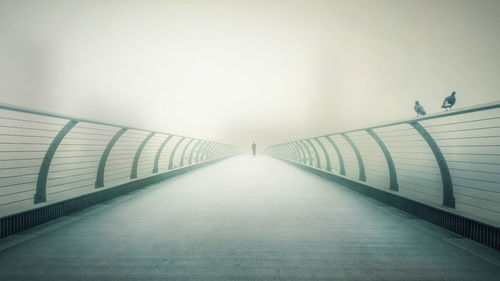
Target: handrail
[
  {"x": 452, "y": 163},
  {"x": 47, "y": 157}
]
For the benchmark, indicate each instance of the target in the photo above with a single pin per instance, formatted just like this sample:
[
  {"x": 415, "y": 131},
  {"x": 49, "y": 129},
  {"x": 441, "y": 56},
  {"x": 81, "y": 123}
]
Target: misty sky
[{"x": 243, "y": 71}]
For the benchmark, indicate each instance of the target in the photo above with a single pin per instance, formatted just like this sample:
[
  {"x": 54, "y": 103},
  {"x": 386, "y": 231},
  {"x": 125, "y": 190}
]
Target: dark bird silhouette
[
  {"x": 419, "y": 109},
  {"x": 449, "y": 101}
]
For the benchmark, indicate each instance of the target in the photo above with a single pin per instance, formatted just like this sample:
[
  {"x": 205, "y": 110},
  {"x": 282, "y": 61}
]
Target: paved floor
[{"x": 246, "y": 218}]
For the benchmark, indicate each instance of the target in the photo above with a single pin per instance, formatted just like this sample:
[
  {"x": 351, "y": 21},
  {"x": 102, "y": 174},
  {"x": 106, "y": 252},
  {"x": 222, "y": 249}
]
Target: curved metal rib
[
  {"x": 308, "y": 152},
  {"x": 158, "y": 154},
  {"x": 184, "y": 152},
  {"x": 339, "y": 155},
  {"x": 318, "y": 161},
  {"x": 297, "y": 152},
  {"x": 205, "y": 151},
  {"x": 290, "y": 151},
  {"x": 211, "y": 153},
  {"x": 327, "y": 157},
  {"x": 41, "y": 183},
  {"x": 202, "y": 148},
  {"x": 303, "y": 154},
  {"x": 192, "y": 151},
  {"x": 448, "y": 198},
  {"x": 171, "y": 161},
  {"x": 209, "y": 147},
  {"x": 361, "y": 165},
  {"x": 99, "y": 180},
  {"x": 393, "y": 177},
  {"x": 133, "y": 172}
]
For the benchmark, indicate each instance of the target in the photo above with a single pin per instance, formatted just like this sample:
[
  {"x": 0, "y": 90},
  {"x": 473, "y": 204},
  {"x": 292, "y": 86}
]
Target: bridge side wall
[
  {"x": 447, "y": 162},
  {"x": 43, "y": 161}
]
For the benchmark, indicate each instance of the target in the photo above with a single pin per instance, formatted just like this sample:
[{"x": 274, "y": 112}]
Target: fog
[{"x": 244, "y": 71}]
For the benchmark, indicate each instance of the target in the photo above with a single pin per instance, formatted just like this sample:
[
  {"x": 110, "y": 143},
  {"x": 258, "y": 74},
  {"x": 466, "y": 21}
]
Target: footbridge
[{"x": 415, "y": 199}]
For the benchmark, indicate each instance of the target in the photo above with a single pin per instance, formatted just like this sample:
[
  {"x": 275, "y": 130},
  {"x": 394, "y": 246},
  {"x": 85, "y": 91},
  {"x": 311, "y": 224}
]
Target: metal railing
[
  {"x": 449, "y": 159},
  {"x": 47, "y": 158}
]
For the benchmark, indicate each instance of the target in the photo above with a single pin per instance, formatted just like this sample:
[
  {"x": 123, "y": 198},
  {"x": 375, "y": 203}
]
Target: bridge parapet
[
  {"x": 449, "y": 160},
  {"x": 47, "y": 158}
]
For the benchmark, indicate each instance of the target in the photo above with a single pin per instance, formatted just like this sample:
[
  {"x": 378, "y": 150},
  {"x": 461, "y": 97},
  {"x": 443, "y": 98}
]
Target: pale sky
[{"x": 243, "y": 71}]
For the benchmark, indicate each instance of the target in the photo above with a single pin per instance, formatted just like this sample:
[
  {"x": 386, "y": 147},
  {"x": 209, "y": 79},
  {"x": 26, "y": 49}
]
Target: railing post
[
  {"x": 205, "y": 152},
  {"x": 361, "y": 165},
  {"x": 393, "y": 177},
  {"x": 327, "y": 157},
  {"x": 184, "y": 152},
  {"x": 207, "y": 157},
  {"x": 211, "y": 153},
  {"x": 171, "y": 161},
  {"x": 339, "y": 155},
  {"x": 208, "y": 150},
  {"x": 318, "y": 160},
  {"x": 41, "y": 184},
  {"x": 133, "y": 172},
  {"x": 302, "y": 152},
  {"x": 308, "y": 152},
  {"x": 295, "y": 156},
  {"x": 158, "y": 154},
  {"x": 202, "y": 147},
  {"x": 448, "y": 198},
  {"x": 192, "y": 151},
  {"x": 286, "y": 151},
  {"x": 293, "y": 152},
  {"x": 99, "y": 180}
]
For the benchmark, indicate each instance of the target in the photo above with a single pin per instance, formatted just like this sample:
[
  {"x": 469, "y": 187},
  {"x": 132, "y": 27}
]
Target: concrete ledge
[
  {"x": 481, "y": 232},
  {"x": 18, "y": 222}
]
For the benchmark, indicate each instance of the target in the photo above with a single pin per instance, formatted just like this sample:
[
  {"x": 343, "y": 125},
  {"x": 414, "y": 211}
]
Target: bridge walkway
[{"x": 245, "y": 218}]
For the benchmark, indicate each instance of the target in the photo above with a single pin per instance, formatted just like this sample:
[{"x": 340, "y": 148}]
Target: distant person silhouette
[
  {"x": 449, "y": 101},
  {"x": 254, "y": 149}
]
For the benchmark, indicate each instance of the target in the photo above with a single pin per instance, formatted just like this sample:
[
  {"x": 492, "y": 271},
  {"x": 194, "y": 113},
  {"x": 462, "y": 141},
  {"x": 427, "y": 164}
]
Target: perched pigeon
[
  {"x": 449, "y": 101},
  {"x": 419, "y": 109}
]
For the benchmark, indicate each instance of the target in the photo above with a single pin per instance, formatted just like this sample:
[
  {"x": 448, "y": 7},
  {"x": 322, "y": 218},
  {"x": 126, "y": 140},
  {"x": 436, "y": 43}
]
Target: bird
[
  {"x": 419, "y": 109},
  {"x": 449, "y": 101}
]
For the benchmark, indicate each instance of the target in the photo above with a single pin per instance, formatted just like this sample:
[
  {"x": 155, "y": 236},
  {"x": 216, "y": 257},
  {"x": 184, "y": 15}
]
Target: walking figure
[{"x": 254, "y": 148}]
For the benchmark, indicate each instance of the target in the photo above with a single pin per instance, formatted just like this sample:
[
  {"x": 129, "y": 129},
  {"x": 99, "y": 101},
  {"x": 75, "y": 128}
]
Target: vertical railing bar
[
  {"x": 295, "y": 156},
  {"x": 172, "y": 154},
  {"x": 303, "y": 153},
  {"x": 298, "y": 155},
  {"x": 448, "y": 197},
  {"x": 135, "y": 163},
  {"x": 361, "y": 165},
  {"x": 308, "y": 152},
  {"x": 212, "y": 152},
  {"x": 184, "y": 152},
  {"x": 158, "y": 154},
  {"x": 318, "y": 160},
  {"x": 99, "y": 180},
  {"x": 327, "y": 157},
  {"x": 393, "y": 177},
  {"x": 41, "y": 184},
  {"x": 290, "y": 152},
  {"x": 205, "y": 151},
  {"x": 192, "y": 151},
  {"x": 202, "y": 148},
  {"x": 339, "y": 155}
]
